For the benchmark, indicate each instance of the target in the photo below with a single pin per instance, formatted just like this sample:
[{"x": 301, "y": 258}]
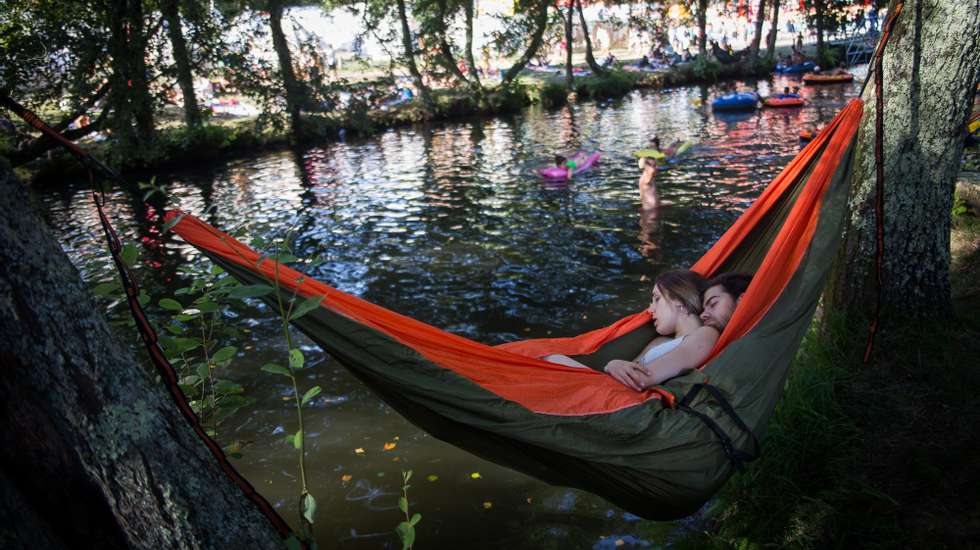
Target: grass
[{"x": 871, "y": 456}]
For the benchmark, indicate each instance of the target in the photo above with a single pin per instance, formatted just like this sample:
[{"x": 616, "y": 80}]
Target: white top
[{"x": 660, "y": 350}]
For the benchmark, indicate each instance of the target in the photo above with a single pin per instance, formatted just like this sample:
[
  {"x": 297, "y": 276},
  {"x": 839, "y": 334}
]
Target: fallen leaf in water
[
  {"x": 396, "y": 459},
  {"x": 389, "y": 446},
  {"x": 359, "y": 451},
  {"x": 346, "y": 477},
  {"x": 432, "y": 477},
  {"x": 529, "y": 500},
  {"x": 487, "y": 505},
  {"x": 475, "y": 475},
  {"x": 620, "y": 542}
]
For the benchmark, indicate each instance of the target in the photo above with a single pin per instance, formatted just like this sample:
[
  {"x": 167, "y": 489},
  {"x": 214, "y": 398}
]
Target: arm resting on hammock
[{"x": 688, "y": 355}]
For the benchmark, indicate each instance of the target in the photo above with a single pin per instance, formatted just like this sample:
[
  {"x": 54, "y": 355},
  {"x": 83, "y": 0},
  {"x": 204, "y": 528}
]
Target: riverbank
[
  {"x": 225, "y": 137},
  {"x": 872, "y": 456}
]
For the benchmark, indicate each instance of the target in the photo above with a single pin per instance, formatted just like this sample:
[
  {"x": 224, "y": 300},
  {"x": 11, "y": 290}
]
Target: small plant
[
  {"x": 960, "y": 207},
  {"x": 406, "y": 529}
]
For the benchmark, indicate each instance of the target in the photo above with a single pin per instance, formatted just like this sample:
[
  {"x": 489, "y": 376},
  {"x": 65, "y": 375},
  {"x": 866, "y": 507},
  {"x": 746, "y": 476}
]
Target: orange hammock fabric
[{"x": 556, "y": 389}]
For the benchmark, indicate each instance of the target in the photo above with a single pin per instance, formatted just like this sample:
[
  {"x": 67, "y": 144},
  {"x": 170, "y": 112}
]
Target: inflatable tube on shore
[
  {"x": 783, "y": 100},
  {"x": 815, "y": 78},
  {"x": 557, "y": 172},
  {"x": 735, "y": 102}
]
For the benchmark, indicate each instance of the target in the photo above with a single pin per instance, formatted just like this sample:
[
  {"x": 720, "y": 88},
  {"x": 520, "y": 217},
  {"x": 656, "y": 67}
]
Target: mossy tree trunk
[
  {"x": 537, "y": 38},
  {"x": 773, "y": 31},
  {"x": 759, "y": 20},
  {"x": 185, "y": 77},
  {"x": 926, "y": 104},
  {"x": 413, "y": 69},
  {"x": 93, "y": 452},
  {"x": 468, "y": 52},
  {"x": 569, "y": 32},
  {"x": 293, "y": 88},
  {"x": 702, "y": 15},
  {"x": 589, "y": 58},
  {"x": 132, "y": 107}
]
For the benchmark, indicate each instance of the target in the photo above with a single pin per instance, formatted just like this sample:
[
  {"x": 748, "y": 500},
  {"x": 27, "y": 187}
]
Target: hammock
[{"x": 660, "y": 453}]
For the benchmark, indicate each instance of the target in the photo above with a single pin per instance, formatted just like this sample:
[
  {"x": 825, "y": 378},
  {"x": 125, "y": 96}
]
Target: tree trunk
[
  {"x": 702, "y": 24},
  {"x": 926, "y": 105},
  {"x": 819, "y": 9},
  {"x": 185, "y": 78},
  {"x": 293, "y": 88},
  {"x": 132, "y": 106},
  {"x": 569, "y": 22},
  {"x": 468, "y": 52},
  {"x": 773, "y": 31},
  {"x": 410, "y": 58},
  {"x": 757, "y": 39},
  {"x": 446, "y": 49},
  {"x": 93, "y": 451},
  {"x": 42, "y": 144},
  {"x": 540, "y": 24},
  {"x": 588, "y": 41}
]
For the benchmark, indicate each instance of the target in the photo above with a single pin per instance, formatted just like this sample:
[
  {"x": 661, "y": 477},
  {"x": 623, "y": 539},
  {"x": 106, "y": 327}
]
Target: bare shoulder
[{"x": 705, "y": 334}]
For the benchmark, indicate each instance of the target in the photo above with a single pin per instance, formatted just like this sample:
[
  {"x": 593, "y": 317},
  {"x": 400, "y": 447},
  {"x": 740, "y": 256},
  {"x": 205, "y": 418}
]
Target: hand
[{"x": 626, "y": 373}]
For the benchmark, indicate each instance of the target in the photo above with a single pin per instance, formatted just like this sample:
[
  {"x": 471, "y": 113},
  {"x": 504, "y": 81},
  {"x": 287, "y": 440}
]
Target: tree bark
[
  {"x": 468, "y": 52},
  {"x": 569, "y": 22},
  {"x": 773, "y": 31},
  {"x": 293, "y": 88},
  {"x": 819, "y": 10},
  {"x": 589, "y": 58},
  {"x": 759, "y": 20},
  {"x": 185, "y": 78},
  {"x": 540, "y": 24},
  {"x": 132, "y": 106},
  {"x": 926, "y": 105},
  {"x": 410, "y": 58},
  {"x": 702, "y": 25},
  {"x": 446, "y": 49},
  {"x": 92, "y": 451}
]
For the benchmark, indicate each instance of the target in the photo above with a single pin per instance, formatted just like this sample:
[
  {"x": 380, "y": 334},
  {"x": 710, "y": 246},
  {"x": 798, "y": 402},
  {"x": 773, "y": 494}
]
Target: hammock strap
[
  {"x": 879, "y": 179},
  {"x": 737, "y": 456},
  {"x": 147, "y": 333}
]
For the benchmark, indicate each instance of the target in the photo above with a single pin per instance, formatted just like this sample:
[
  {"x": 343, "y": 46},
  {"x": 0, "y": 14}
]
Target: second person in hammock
[{"x": 683, "y": 341}]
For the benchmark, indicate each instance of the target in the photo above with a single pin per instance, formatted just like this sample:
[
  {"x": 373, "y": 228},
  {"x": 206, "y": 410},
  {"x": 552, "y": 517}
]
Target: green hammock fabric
[{"x": 574, "y": 427}]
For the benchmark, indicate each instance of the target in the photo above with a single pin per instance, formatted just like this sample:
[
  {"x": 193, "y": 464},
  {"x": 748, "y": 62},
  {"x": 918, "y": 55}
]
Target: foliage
[
  {"x": 835, "y": 14},
  {"x": 705, "y": 69},
  {"x": 612, "y": 84},
  {"x": 551, "y": 94},
  {"x": 406, "y": 529}
]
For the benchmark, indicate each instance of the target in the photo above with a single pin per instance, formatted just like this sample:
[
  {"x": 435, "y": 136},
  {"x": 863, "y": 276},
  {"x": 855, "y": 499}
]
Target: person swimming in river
[{"x": 568, "y": 164}]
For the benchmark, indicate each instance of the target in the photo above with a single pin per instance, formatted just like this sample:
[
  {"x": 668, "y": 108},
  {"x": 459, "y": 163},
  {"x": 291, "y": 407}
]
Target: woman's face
[{"x": 664, "y": 312}]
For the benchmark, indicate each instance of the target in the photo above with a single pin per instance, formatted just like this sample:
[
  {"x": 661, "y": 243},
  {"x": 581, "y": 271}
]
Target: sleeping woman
[{"x": 683, "y": 342}]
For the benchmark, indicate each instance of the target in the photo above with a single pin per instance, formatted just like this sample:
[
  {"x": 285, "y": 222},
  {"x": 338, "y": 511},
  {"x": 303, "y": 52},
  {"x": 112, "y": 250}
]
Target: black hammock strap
[
  {"x": 737, "y": 456},
  {"x": 147, "y": 333}
]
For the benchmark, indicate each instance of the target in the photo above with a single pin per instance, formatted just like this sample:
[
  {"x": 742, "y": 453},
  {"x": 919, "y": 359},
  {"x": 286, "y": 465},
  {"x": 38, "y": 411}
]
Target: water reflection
[{"x": 449, "y": 224}]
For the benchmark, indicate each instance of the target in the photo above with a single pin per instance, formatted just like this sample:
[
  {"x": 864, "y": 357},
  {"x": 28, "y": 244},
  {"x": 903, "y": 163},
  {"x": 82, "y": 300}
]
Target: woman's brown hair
[{"x": 684, "y": 286}]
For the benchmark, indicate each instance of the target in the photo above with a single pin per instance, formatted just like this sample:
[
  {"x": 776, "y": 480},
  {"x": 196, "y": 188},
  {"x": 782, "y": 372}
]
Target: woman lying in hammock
[{"x": 683, "y": 341}]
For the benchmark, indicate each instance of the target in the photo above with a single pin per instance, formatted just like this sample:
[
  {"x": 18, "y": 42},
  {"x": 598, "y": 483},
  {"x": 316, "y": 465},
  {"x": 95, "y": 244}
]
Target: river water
[{"x": 450, "y": 224}]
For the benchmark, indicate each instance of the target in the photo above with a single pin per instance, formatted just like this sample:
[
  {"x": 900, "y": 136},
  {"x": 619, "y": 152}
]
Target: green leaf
[
  {"x": 295, "y": 359},
  {"x": 143, "y": 298},
  {"x": 307, "y": 306},
  {"x": 203, "y": 371},
  {"x": 234, "y": 402},
  {"x": 216, "y": 270},
  {"x": 206, "y": 306},
  {"x": 149, "y": 194},
  {"x": 227, "y": 387},
  {"x": 298, "y": 439},
  {"x": 286, "y": 258},
  {"x": 249, "y": 291},
  {"x": 275, "y": 369},
  {"x": 129, "y": 254},
  {"x": 310, "y": 394},
  {"x": 224, "y": 354},
  {"x": 190, "y": 380},
  {"x": 416, "y": 517},
  {"x": 403, "y": 504},
  {"x": 171, "y": 304},
  {"x": 406, "y": 533},
  {"x": 104, "y": 289},
  {"x": 292, "y": 543},
  {"x": 406, "y": 476},
  {"x": 308, "y": 504}
]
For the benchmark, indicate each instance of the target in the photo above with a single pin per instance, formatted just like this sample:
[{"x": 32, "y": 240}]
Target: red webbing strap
[
  {"x": 149, "y": 336},
  {"x": 879, "y": 180}
]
